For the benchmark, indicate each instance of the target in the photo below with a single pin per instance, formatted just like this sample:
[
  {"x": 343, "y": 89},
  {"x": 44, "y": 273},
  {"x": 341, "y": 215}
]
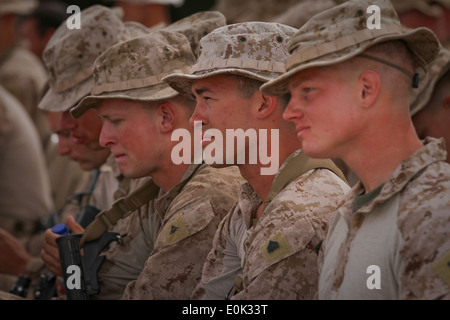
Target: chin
[{"x": 315, "y": 152}]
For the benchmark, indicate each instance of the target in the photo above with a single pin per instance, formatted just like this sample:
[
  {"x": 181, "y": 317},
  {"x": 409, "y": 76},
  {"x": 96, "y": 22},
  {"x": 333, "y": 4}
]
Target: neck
[
  {"x": 262, "y": 183},
  {"x": 169, "y": 176},
  {"x": 387, "y": 149}
]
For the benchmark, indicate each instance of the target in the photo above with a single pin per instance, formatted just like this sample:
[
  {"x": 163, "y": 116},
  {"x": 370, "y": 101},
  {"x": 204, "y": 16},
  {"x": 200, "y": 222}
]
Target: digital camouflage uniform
[
  {"x": 396, "y": 235},
  {"x": 405, "y": 230},
  {"x": 173, "y": 233},
  {"x": 190, "y": 213},
  {"x": 262, "y": 258},
  {"x": 275, "y": 256}
]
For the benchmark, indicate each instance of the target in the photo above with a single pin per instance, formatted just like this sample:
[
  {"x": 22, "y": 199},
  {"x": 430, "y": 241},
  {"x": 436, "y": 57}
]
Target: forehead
[
  {"x": 312, "y": 74},
  {"x": 117, "y": 105},
  {"x": 214, "y": 83}
]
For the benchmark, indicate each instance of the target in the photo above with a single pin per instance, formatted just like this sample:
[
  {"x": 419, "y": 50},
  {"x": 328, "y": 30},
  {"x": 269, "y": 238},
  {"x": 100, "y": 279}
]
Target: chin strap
[{"x": 414, "y": 77}]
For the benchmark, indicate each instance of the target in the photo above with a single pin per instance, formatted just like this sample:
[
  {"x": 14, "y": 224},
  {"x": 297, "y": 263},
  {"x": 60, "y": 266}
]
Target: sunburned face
[
  {"x": 321, "y": 107},
  {"x": 131, "y": 133},
  {"x": 87, "y": 158},
  {"x": 84, "y": 130}
]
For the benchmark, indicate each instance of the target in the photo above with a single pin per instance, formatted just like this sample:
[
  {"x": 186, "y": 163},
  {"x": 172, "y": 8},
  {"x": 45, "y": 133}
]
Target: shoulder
[
  {"x": 426, "y": 196},
  {"x": 218, "y": 186},
  {"x": 316, "y": 190}
]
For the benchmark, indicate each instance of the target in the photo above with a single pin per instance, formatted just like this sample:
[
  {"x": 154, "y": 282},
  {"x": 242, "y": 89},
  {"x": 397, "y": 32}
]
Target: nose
[
  {"x": 106, "y": 138},
  {"x": 293, "y": 111},
  {"x": 198, "y": 115}
]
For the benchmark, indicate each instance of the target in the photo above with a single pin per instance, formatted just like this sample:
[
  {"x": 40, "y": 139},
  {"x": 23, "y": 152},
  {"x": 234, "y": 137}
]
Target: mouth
[
  {"x": 119, "y": 155},
  {"x": 207, "y": 139},
  {"x": 301, "y": 130},
  {"x": 78, "y": 139}
]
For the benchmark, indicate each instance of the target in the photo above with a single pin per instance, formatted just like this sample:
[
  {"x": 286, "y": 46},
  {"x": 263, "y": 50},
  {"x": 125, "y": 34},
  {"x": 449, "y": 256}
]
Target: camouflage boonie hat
[
  {"x": 198, "y": 25},
  {"x": 437, "y": 69},
  {"x": 70, "y": 53},
  {"x": 17, "y": 6},
  {"x": 341, "y": 33},
  {"x": 255, "y": 50},
  {"x": 431, "y": 8},
  {"x": 133, "y": 69}
]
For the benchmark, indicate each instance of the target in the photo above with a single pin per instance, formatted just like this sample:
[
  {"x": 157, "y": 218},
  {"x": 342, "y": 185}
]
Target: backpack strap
[{"x": 294, "y": 168}]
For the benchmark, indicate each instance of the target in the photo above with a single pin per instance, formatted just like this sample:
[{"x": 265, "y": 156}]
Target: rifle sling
[{"x": 120, "y": 208}]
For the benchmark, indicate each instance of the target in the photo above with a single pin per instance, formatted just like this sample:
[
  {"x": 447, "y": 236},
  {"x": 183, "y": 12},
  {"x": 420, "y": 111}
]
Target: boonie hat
[
  {"x": 20, "y": 7},
  {"x": 198, "y": 25},
  {"x": 70, "y": 53},
  {"x": 341, "y": 32},
  {"x": 255, "y": 50},
  {"x": 133, "y": 69},
  {"x": 437, "y": 69}
]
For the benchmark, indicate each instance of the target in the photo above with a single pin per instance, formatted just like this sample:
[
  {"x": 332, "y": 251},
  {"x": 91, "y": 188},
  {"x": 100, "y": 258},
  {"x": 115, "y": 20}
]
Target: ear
[
  {"x": 167, "y": 116},
  {"x": 370, "y": 88},
  {"x": 266, "y": 105},
  {"x": 446, "y": 103}
]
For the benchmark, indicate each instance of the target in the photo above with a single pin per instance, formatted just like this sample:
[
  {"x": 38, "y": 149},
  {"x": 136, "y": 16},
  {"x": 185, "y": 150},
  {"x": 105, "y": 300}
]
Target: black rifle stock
[{"x": 80, "y": 270}]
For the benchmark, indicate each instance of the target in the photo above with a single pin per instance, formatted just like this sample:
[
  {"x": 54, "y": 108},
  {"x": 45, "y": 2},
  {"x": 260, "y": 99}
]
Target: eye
[
  {"x": 306, "y": 92},
  {"x": 115, "y": 121}
]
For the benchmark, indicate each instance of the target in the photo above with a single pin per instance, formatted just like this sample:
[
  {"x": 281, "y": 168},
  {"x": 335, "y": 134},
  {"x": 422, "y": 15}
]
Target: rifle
[{"x": 80, "y": 270}]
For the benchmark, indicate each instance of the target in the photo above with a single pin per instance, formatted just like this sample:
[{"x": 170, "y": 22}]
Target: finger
[
  {"x": 74, "y": 226},
  {"x": 53, "y": 265}
]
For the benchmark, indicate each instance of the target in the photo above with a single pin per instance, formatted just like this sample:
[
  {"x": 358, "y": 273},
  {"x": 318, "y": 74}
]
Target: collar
[{"x": 409, "y": 169}]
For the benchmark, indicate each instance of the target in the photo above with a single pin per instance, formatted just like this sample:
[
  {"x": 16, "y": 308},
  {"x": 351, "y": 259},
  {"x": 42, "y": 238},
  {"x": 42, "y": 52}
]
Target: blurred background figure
[
  {"x": 430, "y": 109},
  {"x": 21, "y": 72},
  {"x": 37, "y": 27},
  {"x": 290, "y": 12},
  {"x": 25, "y": 195},
  {"x": 148, "y": 12},
  {"x": 433, "y": 14}
]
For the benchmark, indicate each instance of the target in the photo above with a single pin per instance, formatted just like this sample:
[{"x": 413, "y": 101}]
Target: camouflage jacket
[
  {"x": 275, "y": 256},
  {"x": 189, "y": 214},
  {"x": 397, "y": 245}
]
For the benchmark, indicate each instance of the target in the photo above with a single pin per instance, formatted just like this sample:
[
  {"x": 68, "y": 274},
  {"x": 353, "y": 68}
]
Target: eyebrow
[{"x": 200, "y": 91}]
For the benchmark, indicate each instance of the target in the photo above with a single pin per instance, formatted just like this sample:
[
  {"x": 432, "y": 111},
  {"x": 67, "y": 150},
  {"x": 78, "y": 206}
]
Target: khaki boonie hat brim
[
  {"x": 343, "y": 32},
  {"x": 421, "y": 41},
  {"x": 54, "y": 101},
  {"x": 183, "y": 82},
  {"x": 153, "y": 93},
  {"x": 133, "y": 69}
]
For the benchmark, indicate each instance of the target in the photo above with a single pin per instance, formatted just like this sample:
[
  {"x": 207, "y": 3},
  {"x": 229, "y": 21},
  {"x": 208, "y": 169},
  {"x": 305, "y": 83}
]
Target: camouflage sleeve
[
  {"x": 213, "y": 266},
  {"x": 125, "y": 260},
  {"x": 281, "y": 260},
  {"x": 424, "y": 224},
  {"x": 174, "y": 268}
]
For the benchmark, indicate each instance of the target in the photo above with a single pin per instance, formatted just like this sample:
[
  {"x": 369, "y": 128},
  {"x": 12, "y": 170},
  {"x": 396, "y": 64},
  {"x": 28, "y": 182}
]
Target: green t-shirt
[{"x": 364, "y": 198}]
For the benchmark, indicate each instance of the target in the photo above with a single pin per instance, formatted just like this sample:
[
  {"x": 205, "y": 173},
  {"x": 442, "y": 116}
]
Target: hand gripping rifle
[{"x": 80, "y": 270}]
